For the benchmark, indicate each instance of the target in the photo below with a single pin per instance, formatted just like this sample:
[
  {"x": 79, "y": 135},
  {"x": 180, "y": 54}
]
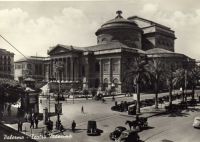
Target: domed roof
[{"x": 118, "y": 22}]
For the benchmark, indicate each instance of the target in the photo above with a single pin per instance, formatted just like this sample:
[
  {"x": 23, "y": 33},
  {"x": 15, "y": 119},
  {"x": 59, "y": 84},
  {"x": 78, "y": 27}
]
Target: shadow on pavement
[
  {"x": 148, "y": 128},
  {"x": 193, "y": 109},
  {"x": 178, "y": 114}
]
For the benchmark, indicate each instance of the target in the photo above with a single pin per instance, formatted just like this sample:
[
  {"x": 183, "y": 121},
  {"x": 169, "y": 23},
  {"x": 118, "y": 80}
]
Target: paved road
[{"x": 174, "y": 127}]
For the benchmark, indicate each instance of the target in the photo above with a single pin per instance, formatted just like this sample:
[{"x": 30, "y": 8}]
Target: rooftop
[
  {"x": 159, "y": 52},
  {"x": 110, "y": 46},
  {"x": 4, "y": 51},
  {"x": 31, "y": 58}
]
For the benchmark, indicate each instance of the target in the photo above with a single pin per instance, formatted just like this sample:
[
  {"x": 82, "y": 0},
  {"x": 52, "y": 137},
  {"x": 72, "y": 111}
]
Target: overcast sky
[{"x": 33, "y": 27}]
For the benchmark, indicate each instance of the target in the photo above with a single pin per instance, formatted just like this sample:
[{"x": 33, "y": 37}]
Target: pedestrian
[
  {"x": 36, "y": 122},
  {"x": 82, "y": 109},
  {"x": 21, "y": 125},
  {"x": 61, "y": 129},
  {"x": 32, "y": 123},
  {"x": 73, "y": 126},
  {"x": 18, "y": 126}
]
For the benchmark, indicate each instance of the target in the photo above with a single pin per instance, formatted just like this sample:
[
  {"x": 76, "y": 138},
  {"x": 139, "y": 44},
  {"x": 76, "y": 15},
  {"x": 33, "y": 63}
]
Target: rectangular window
[
  {"x": 106, "y": 66},
  {"x": 115, "y": 66}
]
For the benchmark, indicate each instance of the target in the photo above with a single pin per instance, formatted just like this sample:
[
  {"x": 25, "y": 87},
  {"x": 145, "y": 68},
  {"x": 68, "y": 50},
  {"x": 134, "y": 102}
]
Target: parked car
[
  {"x": 117, "y": 132},
  {"x": 92, "y": 129},
  {"x": 128, "y": 136},
  {"x": 196, "y": 123},
  {"x": 132, "y": 109}
]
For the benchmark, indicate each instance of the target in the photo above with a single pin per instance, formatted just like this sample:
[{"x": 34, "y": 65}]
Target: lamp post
[
  {"x": 112, "y": 90},
  {"x": 48, "y": 90},
  {"x": 59, "y": 68}
]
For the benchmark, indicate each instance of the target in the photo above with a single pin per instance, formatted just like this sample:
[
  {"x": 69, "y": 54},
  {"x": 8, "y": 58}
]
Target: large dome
[{"x": 118, "y": 23}]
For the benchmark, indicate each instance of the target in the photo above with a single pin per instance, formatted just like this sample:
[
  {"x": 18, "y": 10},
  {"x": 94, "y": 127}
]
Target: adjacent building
[
  {"x": 30, "y": 67},
  {"x": 6, "y": 64}
]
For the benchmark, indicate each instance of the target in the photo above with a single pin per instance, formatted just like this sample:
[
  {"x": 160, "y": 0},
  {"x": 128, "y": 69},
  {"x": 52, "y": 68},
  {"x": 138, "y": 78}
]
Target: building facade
[
  {"x": 31, "y": 67},
  {"x": 120, "y": 44},
  {"x": 6, "y": 64}
]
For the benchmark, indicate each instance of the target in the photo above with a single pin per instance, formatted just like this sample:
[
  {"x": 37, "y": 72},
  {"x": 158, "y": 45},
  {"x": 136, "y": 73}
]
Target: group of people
[{"x": 33, "y": 119}]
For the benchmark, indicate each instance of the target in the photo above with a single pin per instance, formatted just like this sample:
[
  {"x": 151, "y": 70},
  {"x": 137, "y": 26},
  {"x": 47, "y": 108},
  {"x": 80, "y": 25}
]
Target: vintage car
[
  {"x": 196, "y": 123},
  {"x": 128, "y": 136},
  {"x": 117, "y": 132},
  {"x": 92, "y": 129}
]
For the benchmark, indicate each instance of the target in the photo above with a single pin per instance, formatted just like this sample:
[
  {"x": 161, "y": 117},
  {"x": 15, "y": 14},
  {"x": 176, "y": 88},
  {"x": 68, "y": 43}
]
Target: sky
[{"x": 34, "y": 26}]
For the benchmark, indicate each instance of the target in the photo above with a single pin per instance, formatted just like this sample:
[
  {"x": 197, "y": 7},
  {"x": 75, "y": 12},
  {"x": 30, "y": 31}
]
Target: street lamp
[
  {"x": 112, "y": 90},
  {"x": 48, "y": 93},
  {"x": 59, "y": 68}
]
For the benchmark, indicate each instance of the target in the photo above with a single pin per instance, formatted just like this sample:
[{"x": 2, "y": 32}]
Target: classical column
[
  {"x": 120, "y": 70},
  {"x": 69, "y": 68},
  {"x": 63, "y": 70},
  {"x": 110, "y": 71},
  {"x": 66, "y": 77},
  {"x": 75, "y": 70},
  {"x": 72, "y": 69},
  {"x": 100, "y": 72}
]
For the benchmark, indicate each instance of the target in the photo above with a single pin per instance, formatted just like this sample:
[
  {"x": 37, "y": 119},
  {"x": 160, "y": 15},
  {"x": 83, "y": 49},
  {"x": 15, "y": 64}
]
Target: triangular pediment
[{"x": 59, "y": 49}]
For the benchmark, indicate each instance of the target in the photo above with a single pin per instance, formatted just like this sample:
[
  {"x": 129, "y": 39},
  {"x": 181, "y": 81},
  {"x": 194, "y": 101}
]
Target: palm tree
[
  {"x": 194, "y": 75},
  {"x": 169, "y": 74},
  {"x": 136, "y": 74},
  {"x": 179, "y": 80},
  {"x": 156, "y": 69}
]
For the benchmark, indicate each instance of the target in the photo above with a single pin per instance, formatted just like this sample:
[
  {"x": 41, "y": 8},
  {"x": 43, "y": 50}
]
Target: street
[{"x": 176, "y": 127}]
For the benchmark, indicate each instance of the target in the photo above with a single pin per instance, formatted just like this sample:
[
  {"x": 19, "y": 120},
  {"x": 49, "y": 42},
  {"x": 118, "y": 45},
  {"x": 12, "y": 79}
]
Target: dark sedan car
[{"x": 117, "y": 132}]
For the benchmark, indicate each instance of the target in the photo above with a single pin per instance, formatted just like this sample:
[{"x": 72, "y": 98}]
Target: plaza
[{"x": 107, "y": 120}]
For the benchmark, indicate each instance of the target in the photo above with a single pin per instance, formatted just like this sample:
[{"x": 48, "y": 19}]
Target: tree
[
  {"x": 169, "y": 74},
  {"x": 193, "y": 77},
  {"x": 136, "y": 74},
  {"x": 156, "y": 69},
  {"x": 9, "y": 94},
  {"x": 179, "y": 80}
]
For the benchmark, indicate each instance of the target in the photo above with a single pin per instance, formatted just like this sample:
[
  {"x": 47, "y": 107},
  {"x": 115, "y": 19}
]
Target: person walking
[
  {"x": 73, "y": 126},
  {"x": 82, "y": 109},
  {"x": 18, "y": 126},
  {"x": 61, "y": 129},
  {"x": 32, "y": 123},
  {"x": 36, "y": 122},
  {"x": 21, "y": 125}
]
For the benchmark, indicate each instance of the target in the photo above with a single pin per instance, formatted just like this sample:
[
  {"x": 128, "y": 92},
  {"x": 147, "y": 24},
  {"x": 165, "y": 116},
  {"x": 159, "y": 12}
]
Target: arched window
[
  {"x": 116, "y": 81},
  {"x": 105, "y": 82}
]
